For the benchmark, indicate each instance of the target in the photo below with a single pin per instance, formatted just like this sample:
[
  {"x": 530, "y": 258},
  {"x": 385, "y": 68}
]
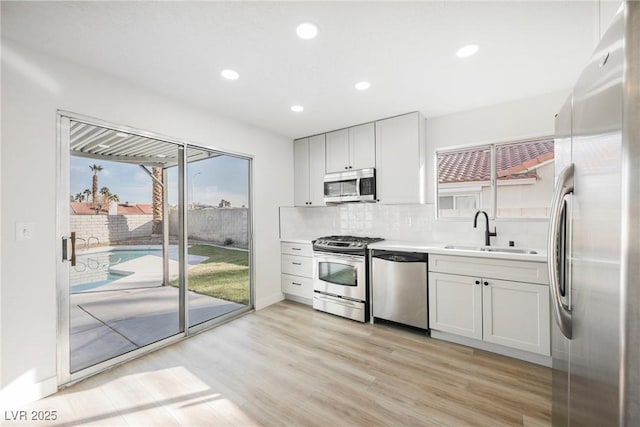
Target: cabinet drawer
[
  {"x": 297, "y": 265},
  {"x": 302, "y": 249},
  {"x": 296, "y": 285},
  {"x": 519, "y": 271}
]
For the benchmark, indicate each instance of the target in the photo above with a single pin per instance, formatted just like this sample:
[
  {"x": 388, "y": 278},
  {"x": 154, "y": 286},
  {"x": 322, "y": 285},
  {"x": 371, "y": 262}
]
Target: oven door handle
[{"x": 357, "y": 259}]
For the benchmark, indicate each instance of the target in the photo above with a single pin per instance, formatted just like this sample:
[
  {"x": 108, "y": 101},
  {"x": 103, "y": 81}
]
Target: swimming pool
[{"x": 92, "y": 269}]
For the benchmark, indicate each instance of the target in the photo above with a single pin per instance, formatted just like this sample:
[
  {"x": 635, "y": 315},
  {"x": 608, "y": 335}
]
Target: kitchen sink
[{"x": 492, "y": 249}]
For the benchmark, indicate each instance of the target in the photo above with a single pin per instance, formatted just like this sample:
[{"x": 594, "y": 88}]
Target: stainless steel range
[{"x": 340, "y": 283}]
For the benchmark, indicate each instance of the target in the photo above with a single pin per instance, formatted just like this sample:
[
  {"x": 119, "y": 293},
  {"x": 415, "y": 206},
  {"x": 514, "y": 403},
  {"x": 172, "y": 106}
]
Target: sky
[{"x": 210, "y": 180}]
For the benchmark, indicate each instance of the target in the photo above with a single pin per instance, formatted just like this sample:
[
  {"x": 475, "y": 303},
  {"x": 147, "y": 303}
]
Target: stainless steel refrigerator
[{"x": 594, "y": 237}]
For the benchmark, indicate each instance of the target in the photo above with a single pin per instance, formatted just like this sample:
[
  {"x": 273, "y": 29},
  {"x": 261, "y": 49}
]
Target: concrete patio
[{"x": 134, "y": 311}]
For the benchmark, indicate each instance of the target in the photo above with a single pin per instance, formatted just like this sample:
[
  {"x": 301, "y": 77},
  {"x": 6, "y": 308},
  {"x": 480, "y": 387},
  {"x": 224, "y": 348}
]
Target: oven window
[{"x": 339, "y": 274}]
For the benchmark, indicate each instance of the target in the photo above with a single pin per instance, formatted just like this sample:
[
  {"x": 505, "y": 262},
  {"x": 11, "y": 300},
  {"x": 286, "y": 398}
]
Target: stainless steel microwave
[{"x": 357, "y": 185}]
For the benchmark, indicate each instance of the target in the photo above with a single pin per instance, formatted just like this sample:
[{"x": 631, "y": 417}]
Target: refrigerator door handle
[{"x": 561, "y": 312}]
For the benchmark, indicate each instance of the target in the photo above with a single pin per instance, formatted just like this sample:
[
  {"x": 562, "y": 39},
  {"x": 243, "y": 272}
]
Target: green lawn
[{"x": 224, "y": 275}]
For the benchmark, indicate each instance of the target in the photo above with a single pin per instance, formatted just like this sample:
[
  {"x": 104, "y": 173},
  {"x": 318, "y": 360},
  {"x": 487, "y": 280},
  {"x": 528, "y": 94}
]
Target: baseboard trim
[
  {"x": 22, "y": 391},
  {"x": 267, "y": 301},
  {"x": 301, "y": 300},
  {"x": 493, "y": 348}
]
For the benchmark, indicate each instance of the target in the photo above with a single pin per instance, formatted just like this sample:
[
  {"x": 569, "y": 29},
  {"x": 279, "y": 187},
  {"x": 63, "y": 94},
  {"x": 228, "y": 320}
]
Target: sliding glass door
[
  {"x": 218, "y": 236},
  {"x": 155, "y": 242}
]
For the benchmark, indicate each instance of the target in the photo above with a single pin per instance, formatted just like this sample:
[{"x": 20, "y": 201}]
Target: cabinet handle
[
  {"x": 350, "y": 167},
  {"x": 296, "y": 263},
  {"x": 477, "y": 282},
  {"x": 310, "y": 203},
  {"x": 296, "y": 249},
  {"x": 486, "y": 283},
  {"x": 296, "y": 283},
  {"x": 346, "y": 167}
]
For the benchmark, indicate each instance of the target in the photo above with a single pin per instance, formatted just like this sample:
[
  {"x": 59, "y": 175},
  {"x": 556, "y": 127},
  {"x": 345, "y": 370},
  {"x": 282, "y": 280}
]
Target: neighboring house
[{"x": 524, "y": 174}]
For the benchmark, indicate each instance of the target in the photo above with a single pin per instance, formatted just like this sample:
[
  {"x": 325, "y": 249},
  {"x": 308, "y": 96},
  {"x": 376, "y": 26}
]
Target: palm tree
[
  {"x": 87, "y": 193},
  {"x": 95, "y": 169},
  {"x": 106, "y": 197},
  {"x": 79, "y": 197},
  {"x": 157, "y": 201}
]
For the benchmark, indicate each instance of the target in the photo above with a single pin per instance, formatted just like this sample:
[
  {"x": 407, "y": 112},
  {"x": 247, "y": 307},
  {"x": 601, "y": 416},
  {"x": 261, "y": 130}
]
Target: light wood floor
[{"x": 288, "y": 365}]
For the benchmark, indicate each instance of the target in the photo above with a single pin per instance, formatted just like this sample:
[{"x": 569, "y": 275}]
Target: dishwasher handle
[{"x": 400, "y": 256}]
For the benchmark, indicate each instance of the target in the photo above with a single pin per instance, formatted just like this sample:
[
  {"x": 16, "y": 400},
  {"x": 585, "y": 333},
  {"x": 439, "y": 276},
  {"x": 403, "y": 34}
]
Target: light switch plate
[{"x": 25, "y": 230}]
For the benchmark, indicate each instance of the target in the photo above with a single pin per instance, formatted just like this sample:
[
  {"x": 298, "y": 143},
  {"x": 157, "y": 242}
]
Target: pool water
[{"x": 92, "y": 269}]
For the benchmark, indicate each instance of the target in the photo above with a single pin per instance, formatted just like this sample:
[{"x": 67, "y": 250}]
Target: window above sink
[{"x": 508, "y": 180}]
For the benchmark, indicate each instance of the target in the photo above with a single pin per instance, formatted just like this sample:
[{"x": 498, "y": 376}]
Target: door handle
[
  {"x": 65, "y": 248},
  {"x": 561, "y": 312}
]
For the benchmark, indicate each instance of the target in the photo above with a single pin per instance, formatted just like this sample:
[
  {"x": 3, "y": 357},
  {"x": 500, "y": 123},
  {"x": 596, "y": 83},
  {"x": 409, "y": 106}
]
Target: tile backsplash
[{"x": 415, "y": 223}]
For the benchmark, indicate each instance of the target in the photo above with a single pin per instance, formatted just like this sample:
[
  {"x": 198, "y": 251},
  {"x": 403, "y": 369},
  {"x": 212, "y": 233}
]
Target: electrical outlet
[{"x": 25, "y": 230}]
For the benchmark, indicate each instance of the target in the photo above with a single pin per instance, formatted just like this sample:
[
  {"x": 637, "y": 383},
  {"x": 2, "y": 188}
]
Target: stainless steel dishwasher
[{"x": 399, "y": 287}]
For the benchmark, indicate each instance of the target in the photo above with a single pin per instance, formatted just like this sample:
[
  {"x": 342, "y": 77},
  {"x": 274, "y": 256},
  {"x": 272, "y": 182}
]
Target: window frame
[{"x": 492, "y": 207}]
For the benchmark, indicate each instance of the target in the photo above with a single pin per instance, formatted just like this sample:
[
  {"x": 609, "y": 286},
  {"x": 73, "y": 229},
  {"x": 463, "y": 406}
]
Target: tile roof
[
  {"x": 513, "y": 161},
  {"x": 81, "y": 208}
]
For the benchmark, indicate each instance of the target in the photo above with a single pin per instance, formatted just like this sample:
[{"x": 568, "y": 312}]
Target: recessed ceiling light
[
  {"x": 122, "y": 134},
  {"x": 307, "y": 30},
  {"x": 103, "y": 146},
  {"x": 230, "y": 74},
  {"x": 297, "y": 108},
  {"x": 363, "y": 85},
  {"x": 467, "y": 51}
]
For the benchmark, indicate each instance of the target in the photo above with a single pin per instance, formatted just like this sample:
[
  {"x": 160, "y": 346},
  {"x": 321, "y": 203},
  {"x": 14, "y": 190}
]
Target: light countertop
[
  {"x": 439, "y": 248},
  {"x": 298, "y": 239}
]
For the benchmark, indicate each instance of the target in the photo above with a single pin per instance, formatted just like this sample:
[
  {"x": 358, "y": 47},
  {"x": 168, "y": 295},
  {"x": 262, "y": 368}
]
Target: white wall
[
  {"x": 512, "y": 121},
  {"x": 34, "y": 87}
]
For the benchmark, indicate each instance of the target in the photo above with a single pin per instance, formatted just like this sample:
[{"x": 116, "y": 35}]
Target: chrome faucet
[{"x": 487, "y": 234}]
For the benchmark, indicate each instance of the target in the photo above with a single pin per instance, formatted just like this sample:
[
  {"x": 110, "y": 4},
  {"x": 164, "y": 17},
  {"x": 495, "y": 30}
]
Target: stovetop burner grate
[{"x": 346, "y": 244}]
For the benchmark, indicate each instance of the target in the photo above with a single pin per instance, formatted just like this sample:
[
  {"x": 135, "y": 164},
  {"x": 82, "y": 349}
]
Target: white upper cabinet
[
  {"x": 362, "y": 146},
  {"x": 401, "y": 159},
  {"x": 338, "y": 150},
  {"x": 301, "y": 172},
  {"x": 316, "y": 170},
  {"x": 352, "y": 148},
  {"x": 309, "y": 170}
]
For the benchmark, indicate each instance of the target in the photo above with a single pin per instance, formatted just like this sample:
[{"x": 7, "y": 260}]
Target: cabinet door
[
  {"x": 455, "y": 304},
  {"x": 316, "y": 170},
  {"x": 301, "y": 171},
  {"x": 399, "y": 161},
  {"x": 516, "y": 315},
  {"x": 362, "y": 146},
  {"x": 338, "y": 150}
]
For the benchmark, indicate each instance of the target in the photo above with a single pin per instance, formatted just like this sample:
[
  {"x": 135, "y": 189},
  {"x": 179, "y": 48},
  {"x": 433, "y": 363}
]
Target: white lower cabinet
[
  {"x": 455, "y": 305},
  {"x": 296, "y": 262},
  {"x": 504, "y": 312}
]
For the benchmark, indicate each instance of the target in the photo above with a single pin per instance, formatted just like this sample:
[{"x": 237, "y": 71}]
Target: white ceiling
[{"x": 405, "y": 49}]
